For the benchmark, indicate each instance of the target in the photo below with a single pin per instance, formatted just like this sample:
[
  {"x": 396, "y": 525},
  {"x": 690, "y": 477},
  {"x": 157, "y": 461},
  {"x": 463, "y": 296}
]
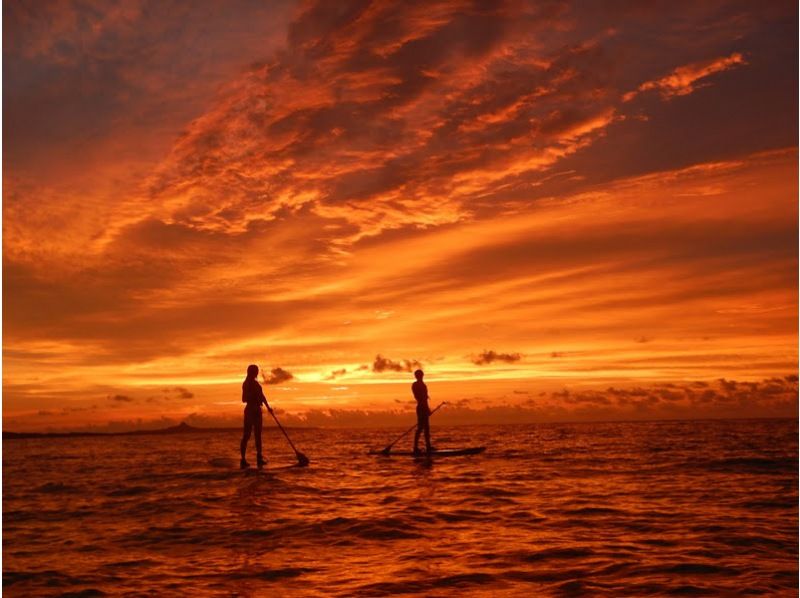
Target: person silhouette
[
  {"x": 420, "y": 391},
  {"x": 253, "y": 396}
]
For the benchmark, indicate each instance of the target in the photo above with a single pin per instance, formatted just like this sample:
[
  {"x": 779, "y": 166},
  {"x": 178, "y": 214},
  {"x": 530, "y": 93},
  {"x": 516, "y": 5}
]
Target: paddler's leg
[
  {"x": 257, "y": 424},
  {"x": 417, "y": 432},
  {"x": 245, "y": 438},
  {"x": 427, "y": 428}
]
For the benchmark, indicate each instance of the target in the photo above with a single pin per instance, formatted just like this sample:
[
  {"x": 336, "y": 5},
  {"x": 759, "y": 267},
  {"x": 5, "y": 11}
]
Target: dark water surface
[{"x": 624, "y": 509}]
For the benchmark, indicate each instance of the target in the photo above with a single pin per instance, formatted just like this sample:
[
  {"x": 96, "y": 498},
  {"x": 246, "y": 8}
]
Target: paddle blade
[{"x": 302, "y": 460}]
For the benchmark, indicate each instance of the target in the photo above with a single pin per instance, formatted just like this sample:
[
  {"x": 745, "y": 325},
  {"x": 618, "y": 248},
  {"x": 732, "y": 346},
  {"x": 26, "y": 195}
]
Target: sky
[{"x": 561, "y": 211}]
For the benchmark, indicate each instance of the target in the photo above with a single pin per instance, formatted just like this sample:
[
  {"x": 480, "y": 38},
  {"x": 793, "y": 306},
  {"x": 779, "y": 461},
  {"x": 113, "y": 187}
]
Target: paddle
[
  {"x": 389, "y": 448},
  {"x": 302, "y": 460}
]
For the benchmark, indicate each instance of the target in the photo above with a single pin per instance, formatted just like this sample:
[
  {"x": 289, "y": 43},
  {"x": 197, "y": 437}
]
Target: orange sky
[{"x": 560, "y": 211}]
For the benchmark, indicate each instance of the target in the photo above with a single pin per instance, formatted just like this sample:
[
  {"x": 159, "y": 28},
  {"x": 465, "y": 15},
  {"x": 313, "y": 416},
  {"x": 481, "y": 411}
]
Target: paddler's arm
[{"x": 264, "y": 399}]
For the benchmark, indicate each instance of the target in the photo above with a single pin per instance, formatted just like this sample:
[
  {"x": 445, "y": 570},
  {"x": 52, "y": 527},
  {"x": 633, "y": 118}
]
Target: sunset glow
[{"x": 558, "y": 212}]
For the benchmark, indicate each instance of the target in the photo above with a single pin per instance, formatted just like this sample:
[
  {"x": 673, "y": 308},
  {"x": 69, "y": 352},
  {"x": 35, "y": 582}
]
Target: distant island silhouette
[{"x": 182, "y": 428}]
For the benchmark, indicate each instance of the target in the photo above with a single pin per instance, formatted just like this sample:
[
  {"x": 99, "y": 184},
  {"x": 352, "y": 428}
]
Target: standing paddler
[
  {"x": 420, "y": 391},
  {"x": 253, "y": 396}
]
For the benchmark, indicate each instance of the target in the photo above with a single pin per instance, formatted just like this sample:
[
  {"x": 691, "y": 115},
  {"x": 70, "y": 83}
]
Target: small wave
[
  {"x": 456, "y": 516},
  {"x": 130, "y": 564},
  {"x": 693, "y": 569},
  {"x": 762, "y": 505},
  {"x": 550, "y": 554},
  {"x": 388, "y": 528},
  {"x": 57, "y": 488},
  {"x": 131, "y": 491},
  {"x": 271, "y": 574},
  {"x": 548, "y": 575},
  {"x": 154, "y": 536},
  {"x": 462, "y": 580},
  {"x": 499, "y": 492},
  {"x": 257, "y": 533},
  {"x": 750, "y": 541},
  {"x": 750, "y": 465},
  {"x": 18, "y": 516},
  {"x": 592, "y": 511},
  {"x": 49, "y": 578}
]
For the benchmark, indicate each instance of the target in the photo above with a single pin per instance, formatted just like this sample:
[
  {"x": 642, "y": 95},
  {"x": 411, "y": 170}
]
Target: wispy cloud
[
  {"x": 492, "y": 356},
  {"x": 684, "y": 79}
]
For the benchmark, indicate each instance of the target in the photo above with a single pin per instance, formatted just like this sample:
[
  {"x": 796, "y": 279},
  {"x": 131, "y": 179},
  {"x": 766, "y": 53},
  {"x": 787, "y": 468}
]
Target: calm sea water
[{"x": 625, "y": 509}]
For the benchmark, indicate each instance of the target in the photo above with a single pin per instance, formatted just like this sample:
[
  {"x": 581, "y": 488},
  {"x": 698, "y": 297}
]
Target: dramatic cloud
[
  {"x": 608, "y": 189},
  {"x": 277, "y": 376},
  {"x": 487, "y": 357},
  {"x": 384, "y": 364}
]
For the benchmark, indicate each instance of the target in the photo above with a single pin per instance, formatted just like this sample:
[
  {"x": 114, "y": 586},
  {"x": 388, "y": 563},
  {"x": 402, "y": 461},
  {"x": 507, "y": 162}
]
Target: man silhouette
[
  {"x": 253, "y": 396},
  {"x": 423, "y": 411}
]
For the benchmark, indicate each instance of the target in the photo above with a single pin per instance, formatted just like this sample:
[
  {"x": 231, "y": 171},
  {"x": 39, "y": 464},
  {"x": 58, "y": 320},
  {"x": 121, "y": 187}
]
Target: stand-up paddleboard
[
  {"x": 437, "y": 453},
  {"x": 229, "y": 463}
]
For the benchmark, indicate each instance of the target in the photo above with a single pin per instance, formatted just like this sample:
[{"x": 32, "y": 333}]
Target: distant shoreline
[{"x": 183, "y": 428}]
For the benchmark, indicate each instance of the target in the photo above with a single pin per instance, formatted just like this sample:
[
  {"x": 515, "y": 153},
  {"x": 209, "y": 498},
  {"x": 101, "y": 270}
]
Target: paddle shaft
[
  {"x": 284, "y": 433},
  {"x": 388, "y": 448}
]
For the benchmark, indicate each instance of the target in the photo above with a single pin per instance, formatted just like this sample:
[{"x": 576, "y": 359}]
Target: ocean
[{"x": 610, "y": 509}]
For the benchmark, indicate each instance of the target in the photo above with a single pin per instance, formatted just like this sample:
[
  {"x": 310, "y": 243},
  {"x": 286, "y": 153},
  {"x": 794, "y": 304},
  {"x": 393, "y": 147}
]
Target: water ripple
[{"x": 665, "y": 508}]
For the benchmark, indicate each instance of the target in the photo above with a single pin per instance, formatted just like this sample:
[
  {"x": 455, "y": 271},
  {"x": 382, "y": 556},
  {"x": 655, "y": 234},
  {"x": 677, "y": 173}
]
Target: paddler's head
[
  {"x": 419, "y": 374},
  {"x": 252, "y": 371}
]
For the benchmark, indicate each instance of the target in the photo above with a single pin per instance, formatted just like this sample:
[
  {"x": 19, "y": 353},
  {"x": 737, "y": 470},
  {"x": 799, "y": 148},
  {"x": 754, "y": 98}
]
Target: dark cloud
[
  {"x": 120, "y": 398},
  {"x": 178, "y": 392},
  {"x": 384, "y": 364},
  {"x": 491, "y": 356},
  {"x": 336, "y": 374},
  {"x": 277, "y": 376},
  {"x": 726, "y": 398},
  {"x": 772, "y": 397}
]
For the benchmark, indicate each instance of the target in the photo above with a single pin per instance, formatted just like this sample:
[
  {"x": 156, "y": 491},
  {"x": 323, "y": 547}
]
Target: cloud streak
[
  {"x": 491, "y": 356},
  {"x": 683, "y": 80}
]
